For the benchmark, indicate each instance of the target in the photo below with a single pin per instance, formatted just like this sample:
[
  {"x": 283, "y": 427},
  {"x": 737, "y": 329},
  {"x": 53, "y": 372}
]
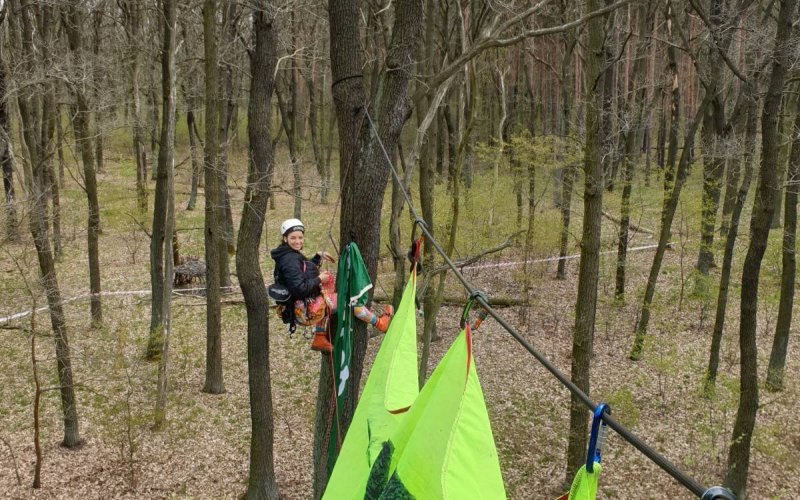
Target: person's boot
[
  {"x": 382, "y": 323},
  {"x": 320, "y": 342}
]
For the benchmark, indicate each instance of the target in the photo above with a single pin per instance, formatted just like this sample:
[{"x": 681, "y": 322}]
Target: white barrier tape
[
  {"x": 550, "y": 259},
  {"x": 119, "y": 293},
  {"x": 182, "y": 291}
]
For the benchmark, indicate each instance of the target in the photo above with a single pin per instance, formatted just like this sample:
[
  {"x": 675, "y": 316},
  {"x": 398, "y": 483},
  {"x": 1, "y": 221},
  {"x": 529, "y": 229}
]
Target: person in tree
[{"x": 312, "y": 288}]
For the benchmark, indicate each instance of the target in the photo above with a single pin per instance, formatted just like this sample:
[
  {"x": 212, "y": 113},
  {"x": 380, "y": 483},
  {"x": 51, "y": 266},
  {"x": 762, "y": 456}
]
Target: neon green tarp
[
  {"x": 392, "y": 386},
  {"x": 584, "y": 486},
  {"x": 444, "y": 448}
]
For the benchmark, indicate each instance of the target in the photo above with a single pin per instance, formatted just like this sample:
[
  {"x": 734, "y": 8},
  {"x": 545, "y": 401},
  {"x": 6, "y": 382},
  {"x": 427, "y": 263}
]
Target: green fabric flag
[
  {"x": 584, "y": 486},
  {"x": 391, "y": 388},
  {"x": 444, "y": 448},
  {"x": 352, "y": 285}
]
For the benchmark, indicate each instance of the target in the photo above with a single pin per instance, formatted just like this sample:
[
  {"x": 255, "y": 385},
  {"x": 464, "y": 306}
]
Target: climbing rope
[{"x": 480, "y": 298}]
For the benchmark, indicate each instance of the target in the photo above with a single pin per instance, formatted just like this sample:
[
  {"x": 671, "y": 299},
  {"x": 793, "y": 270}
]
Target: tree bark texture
[
  {"x": 363, "y": 170},
  {"x": 730, "y": 242},
  {"x": 214, "y": 230},
  {"x": 739, "y": 453},
  {"x": 586, "y": 304},
  {"x": 51, "y": 188},
  {"x": 161, "y": 242},
  {"x": 227, "y": 107},
  {"x": 780, "y": 343},
  {"x": 82, "y": 126},
  {"x": 636, "y": 95},
  {"x": 674, "y": 179},
  {"x": 160, "y": 280},
  {"x": 6, "y": 157},
  {"x": 665, "y": 233},
  {"x": 721, "y": 24},
  {"x": 196, "y": 164},
  {"x": 30, "y": 102},
  {"x": 567, "y": 95},
  {"x": 263, "y": 59},
  {"x": 133, "y": 13}
]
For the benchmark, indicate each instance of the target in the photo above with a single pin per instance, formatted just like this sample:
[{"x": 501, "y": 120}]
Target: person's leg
[
  {"x": 381, "y": 323},
  {"x": 320, "y": 342}
]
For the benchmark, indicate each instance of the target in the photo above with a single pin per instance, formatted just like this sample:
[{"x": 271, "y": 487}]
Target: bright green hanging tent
[
  {"x": 444, "y": 448},
  {"x": 391, "y": 388}
]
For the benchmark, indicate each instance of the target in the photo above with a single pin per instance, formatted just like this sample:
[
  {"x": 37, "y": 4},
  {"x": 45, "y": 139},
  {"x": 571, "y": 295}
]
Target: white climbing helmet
[{"x": 292, "y": 225}]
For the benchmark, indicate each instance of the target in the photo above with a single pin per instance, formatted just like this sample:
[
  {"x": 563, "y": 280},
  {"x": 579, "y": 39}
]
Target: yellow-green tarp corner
[{"x": 391, "y": 388}]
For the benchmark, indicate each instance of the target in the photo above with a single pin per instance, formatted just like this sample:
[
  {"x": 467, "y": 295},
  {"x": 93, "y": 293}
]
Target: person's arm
[{"x": 300, "y": 284}]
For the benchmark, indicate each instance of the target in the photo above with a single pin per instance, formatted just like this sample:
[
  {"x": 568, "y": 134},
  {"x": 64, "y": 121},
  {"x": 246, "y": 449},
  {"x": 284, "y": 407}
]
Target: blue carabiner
[
  {"x": 597, "y": 436},
  {"x": 718, "y": 493}
]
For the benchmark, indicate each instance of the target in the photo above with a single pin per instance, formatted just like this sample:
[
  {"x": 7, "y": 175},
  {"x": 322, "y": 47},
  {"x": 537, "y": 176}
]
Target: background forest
[{"x": 619, "y": 179}]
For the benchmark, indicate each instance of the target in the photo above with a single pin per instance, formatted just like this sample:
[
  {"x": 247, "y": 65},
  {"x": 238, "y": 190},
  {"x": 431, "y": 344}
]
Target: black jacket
[{"x": 295, "y": 272}]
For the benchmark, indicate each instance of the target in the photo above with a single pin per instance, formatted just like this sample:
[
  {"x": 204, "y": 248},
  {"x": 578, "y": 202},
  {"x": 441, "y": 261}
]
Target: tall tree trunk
[
  {"x": 466, "y": 111},
  {"x": 674, "y": 180},
  {"x": 733, "y": 174},
  {"x": 315, "y": 112},
  {"x": 132, "y": 11},
  {"x": 501, "y": 146},
  {"x": 566, "y": 212},
  {"x": 163, "y": 210},
  {"x": 153, "y": 101},
  {"x": 569, "y": 171},
  {"x": 739, "y": 453},
  {"x": 97, "y": 15},
  {"x": 715, "y": 126},
  {"x": 713, "y": 170},
  {"x": 263, "y": 59},
  {"x": 780, "y": 343},
  {"x": 751, "y": 125},
  {"x": 637, "y": 94},
  {"x": 395, "y": 243},
  {"x": 665, "y": 233},
  {"x": 227, "y": 107},
  {"x": 30, "y": 102},
  {"x": 197, "y": 165},
  {"x": 161, "y": 244},
  {"x": 661, "y": 138},
  {"x": 607, "y": 114},
  {"x": 6, "y": 153},
  {"x": 289, "y": 122},
  {"x": 83, "y": 136},
  {"x": 51, "y": 181},
  {"x": 788, "y": 106},
  {"x": 60, "y": 145},
  {"x": 297, "y": 187},
  {"x": 363, "y": 170},
  {"x": 214, "y": 231},
  {"x": 585, "y": 307}
]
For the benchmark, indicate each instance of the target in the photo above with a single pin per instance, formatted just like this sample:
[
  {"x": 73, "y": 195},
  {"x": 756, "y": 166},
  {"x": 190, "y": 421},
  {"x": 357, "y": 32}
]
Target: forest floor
[{"x": 203, "y": 452}]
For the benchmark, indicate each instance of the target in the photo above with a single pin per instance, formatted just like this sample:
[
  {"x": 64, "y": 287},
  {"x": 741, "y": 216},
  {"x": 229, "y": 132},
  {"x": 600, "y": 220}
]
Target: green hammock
[
  {"x": 392, "y": 386},
  {"x": 442, "y": 448}
]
